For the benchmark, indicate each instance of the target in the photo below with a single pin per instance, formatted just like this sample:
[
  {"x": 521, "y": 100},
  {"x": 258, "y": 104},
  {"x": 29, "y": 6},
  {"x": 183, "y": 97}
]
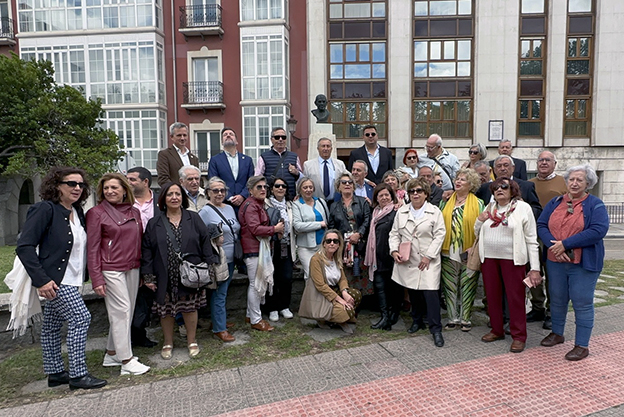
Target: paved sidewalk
[{"x": 407, "y": 377}]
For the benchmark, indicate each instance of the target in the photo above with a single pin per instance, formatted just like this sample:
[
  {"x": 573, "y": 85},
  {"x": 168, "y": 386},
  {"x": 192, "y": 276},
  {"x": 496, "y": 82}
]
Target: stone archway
[{"x": 16, "y": 196}]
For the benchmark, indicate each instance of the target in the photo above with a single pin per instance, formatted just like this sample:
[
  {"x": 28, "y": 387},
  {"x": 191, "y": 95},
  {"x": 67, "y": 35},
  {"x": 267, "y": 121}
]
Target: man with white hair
[
  {"x": 359, "y": 170},
  {"x": 505, "y": 148},
  {"x": 324, "y": 170},
  {"x": 440, "y": 160},
  {"x": 190, "y": 178}
]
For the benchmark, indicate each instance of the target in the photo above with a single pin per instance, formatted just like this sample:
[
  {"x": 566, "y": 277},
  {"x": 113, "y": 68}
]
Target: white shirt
[
  {"x": 332, "y": 274},
  {"x": 332, "y": 174},
  {"x": 74, "y": 273},
  {"x": 373, "y": 158},
  {"x": 233, "y": 160},
  {"x": 184, "y": 156}
]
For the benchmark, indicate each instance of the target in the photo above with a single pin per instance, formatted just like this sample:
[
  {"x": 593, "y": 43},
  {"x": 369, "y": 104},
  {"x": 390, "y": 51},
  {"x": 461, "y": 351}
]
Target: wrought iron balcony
[
  {"x": 202, "y": 95},
  {"x": 7, "y": 34},
  {"x": 201, "y": 20}
]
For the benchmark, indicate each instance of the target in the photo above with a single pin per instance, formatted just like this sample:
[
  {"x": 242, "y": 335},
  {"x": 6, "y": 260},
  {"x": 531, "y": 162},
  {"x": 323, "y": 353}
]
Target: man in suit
[
  {"x": 362, "y": 187},
  {"x": 378, "y": 158},
  {"x": 504, "y": 167},
  {"x": 279, "y": 162},
  {"x": 484, "y": 170},
  {"x": 436, "y": 192},
  {"x": 324, "y": 170},
  {"x": 232, "y": 167},
  {"x": 505, "y": 148},
  {"x": 171, "y": 159},
  {"x": 440, "y": 160}
]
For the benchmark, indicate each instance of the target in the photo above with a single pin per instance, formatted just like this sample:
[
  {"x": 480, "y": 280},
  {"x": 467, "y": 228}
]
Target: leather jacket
[
  {"x": 113, "y": 239},
  {"x": 254, "y": 221}
]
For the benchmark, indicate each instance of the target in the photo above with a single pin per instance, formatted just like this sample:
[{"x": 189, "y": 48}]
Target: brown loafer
[
  {"x": 517, "y": 346},
  {"x": 225, "y": 336},
  {"x": 263, "y": 326},
  {"x": 577, "y": 353},
  {"x": 491, "y": 337},
  {"x": 552, "y": 339}
]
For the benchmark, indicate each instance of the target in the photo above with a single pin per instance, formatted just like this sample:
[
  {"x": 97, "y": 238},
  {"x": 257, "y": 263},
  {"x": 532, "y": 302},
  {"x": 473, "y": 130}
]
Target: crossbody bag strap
[
  {"x": 445, "y": 171},
  {"x": 224, "y": 219}
]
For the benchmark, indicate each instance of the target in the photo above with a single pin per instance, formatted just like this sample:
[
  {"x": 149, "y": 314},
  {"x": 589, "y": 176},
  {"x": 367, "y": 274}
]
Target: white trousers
[
  {"x": 121, "y": 292},
  {"x": 253, "y": 298},
  {"x": 305, "y": 254}
]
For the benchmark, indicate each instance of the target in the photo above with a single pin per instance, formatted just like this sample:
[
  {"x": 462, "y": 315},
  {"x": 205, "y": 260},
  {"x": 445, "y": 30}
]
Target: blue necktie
[{"x": 325, "y": 179}]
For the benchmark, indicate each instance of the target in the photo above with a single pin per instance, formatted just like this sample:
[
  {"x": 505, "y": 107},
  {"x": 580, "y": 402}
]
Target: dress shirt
[
  {"x": 373, "y": 158},
  {"x": 184, "y": 156},
  {"x": 332, "y": 174},
  {"x": 146, "y": 209},
  {"x": 233, "y": 160},
  {"x": 361, "y": 190}
]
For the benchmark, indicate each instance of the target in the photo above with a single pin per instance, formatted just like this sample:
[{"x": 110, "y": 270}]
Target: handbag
[
  {"x": 405, "y": 248},
  {"x": 192, "y": 275},
  {"x": 238, "y": 247},
  {"x": 473, "y": 261}
]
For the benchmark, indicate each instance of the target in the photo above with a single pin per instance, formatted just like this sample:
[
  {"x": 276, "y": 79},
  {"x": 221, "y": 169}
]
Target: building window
[
  {"x": 68, "y": 62},
  {"x": 257, "y": 125},
  {"x": 357, "y": 67},
  {"x": 265, "y": 67},
  {"x": 532, "y": 68},
  {"x": 262, "y": 9},
  {"x": 443, "y": 57},
  {"x": 579, "y": 69},
  {"x": 141, "y": 133},
  {"x": 55, "y": 15},
  {"x": 208, "y": 144}
]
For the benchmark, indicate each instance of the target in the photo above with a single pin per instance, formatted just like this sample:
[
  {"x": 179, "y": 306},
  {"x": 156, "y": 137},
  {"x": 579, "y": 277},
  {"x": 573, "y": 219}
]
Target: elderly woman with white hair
[
  {"x": 572, "y": 227},
  {"x": 476, "y": 152}
]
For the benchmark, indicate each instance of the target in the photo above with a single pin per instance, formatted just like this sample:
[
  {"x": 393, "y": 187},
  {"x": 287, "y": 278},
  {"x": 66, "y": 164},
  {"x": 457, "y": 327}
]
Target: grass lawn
[{"x": 7, "y": 256}]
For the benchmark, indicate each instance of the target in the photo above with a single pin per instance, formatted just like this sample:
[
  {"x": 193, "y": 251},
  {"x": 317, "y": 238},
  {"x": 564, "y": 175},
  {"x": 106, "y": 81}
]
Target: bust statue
[{"x": 321, "y": 113}]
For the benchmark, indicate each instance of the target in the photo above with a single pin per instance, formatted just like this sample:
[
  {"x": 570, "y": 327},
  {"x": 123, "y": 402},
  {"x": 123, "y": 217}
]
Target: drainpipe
[{"x": 175, "y": 73}]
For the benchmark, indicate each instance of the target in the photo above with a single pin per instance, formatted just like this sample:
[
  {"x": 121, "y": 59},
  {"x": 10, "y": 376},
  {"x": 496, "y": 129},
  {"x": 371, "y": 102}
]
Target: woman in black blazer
[
  {"x": 56, "y": 227},
  {"x": 350, "y": 214},
  {"x": 160, "y": 265},
  {"x": 378, "y": 258}
]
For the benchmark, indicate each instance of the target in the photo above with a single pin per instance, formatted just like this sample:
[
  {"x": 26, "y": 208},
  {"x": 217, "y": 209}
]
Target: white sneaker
[
  {"x": 182, "y": 330},
  {"x": 287, "y": 313},
  {"x": 113, "y": 360},
  {"x": 273, "y": 316},
  {"x": 134, "y": 367}
]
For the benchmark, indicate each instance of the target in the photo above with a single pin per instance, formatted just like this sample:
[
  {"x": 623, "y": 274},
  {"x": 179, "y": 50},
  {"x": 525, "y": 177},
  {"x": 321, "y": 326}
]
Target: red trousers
[{"x": 496, "y": 274}]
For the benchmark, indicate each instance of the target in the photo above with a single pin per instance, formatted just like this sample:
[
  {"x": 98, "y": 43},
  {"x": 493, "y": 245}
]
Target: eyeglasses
[
  {"x": 73, "y": 184},
  {"x": 430, "y": 148},
  {"x": 262, "y": 187},
  {"x": 218, "y": 190},
  {"x": 334, "y": 241},
  {"x": 409, "y": 158},
  {"x": 544, "y": 160},
  {"x": 279, "y": 137},
  {"x": 346, "y": 182},
  {"x": 473, "y": 152},
  {"x": 416, "y": 191},
  {"x": 192, "y": 178},
  {"x": 370, "y": 135},
  {"x": 503, "y": 186},
  {"x": 284, "y": 186},
  {"x": 570, "y": 208}
]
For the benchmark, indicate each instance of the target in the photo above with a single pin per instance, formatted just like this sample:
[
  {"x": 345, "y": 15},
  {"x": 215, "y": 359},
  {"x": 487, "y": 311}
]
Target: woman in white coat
[
  {"x": 422, "y": 226},
  {"x": 310, "y": 215}
]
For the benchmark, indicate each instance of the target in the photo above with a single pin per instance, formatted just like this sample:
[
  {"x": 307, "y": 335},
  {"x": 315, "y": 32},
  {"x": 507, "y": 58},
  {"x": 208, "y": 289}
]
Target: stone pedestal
[{"x": 320, "y": 130}]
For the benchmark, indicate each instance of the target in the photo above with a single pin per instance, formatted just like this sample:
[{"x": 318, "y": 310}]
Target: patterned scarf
[
  {"x": 500, "y": 218},
  {"x": 466, "y": 230},
  {"x": 371, "y": 245}
]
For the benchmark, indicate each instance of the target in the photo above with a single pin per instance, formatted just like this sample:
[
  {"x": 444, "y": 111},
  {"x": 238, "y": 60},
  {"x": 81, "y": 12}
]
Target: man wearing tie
[
  {"x": 324, "y": 170},
  {"x": 232, "y": 167}
]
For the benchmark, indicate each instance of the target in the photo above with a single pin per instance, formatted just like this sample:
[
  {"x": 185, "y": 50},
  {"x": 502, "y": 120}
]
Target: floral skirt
[{"x": 187, "y": 304}]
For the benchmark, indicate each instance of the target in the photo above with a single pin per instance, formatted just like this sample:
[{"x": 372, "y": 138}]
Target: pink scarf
[{"x": 370, "y": 259}]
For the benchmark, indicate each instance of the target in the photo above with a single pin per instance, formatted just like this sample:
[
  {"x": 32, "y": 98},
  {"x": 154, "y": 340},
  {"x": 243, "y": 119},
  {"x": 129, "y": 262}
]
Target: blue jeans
[
  {"x": 217, "y": 302},
  {"x": 567, "y": 282}
]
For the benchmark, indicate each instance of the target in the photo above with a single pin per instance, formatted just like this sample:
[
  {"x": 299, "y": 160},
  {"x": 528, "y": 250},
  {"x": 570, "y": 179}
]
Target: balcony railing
[
  {"x": 201, "y": 20},
  {"x": 203, "y": 94},
  {"x": 6, "y": 29}
]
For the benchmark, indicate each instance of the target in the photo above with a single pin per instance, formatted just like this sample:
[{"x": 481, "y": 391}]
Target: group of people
[{"x": 366, "y": 228}]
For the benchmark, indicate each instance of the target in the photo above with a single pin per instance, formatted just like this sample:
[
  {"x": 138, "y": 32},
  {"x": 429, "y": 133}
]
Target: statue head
[{"x": 321, "y": 102}]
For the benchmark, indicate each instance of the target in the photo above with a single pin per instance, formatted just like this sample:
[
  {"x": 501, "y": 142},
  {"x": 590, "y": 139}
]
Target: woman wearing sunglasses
[
  {"x": 573, "y": 227},
  {"x": 410, "y": 164},
  {"x": 256, "y": 226},
  {"x": 327, "y": 297},
  {"x": 52, "y": 247},
  {"x": 415, "y": 241},
  {"x": 507, "y": 243}
]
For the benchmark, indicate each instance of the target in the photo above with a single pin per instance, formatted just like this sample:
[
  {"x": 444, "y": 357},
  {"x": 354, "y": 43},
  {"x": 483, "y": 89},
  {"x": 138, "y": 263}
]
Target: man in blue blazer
[
  {"x": 232, "y": 167},
  {"x": 378, "y": 158}
]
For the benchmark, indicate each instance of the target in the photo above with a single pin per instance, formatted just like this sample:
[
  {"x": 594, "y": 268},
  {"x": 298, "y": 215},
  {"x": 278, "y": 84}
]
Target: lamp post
[{"x": 291, "y": 125}]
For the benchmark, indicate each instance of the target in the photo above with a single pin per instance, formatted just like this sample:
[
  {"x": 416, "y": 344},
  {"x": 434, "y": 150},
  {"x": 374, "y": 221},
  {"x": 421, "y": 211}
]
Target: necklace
[{"x": 175, "y": 220}]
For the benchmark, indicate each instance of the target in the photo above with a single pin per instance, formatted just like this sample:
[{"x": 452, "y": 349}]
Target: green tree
[{"x": 43, "y": 124}]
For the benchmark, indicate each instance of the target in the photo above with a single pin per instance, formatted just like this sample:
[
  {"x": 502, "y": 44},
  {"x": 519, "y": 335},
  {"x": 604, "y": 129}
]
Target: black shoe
[
  {"x": 535, "y": 315},
  {"x": 60, "y": 378},
  {"x": 394, "y": 318},
  {"x": 416, "y": 326},
  {"x": 438, "y": 340},
  {"x": 87, "y": 381},
  {"x": 547, "y": 323},
  {"x": 383, "y": 323},
  {"x": 507, "y": 329}
]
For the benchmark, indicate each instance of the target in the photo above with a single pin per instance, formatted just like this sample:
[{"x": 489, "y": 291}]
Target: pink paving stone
[
  {"x": 501, "y": 410},
  {"x": 367, "y": 395},
  {"x": 391, "y": 409}
]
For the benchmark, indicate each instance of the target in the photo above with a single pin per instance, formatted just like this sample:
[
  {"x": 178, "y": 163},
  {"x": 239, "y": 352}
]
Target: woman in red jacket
[
  {"x": 114, "y": 232},
  {"x": 255, "y": 224}
]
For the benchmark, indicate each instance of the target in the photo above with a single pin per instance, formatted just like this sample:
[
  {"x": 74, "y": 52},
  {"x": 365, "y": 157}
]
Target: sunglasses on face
[
  {"x": 409, "y": 158},
  {"x": 284, "y": 186},
  {"x": 416, "y": 191},
  {"x": 218, "y": 190},
  {"x": 439, "y": 182},
  {"x": 279, "y": 137},
  {"x": 346, "y": 182},
  {"x": 473, "y": 152},
  {"x": 73, "y": 184},
  {"x": 334, "y": 241},
  {"x": 503, "y": 186},
  {"x": 262, "y": 187},
  {"x": 370, "y": 135}
]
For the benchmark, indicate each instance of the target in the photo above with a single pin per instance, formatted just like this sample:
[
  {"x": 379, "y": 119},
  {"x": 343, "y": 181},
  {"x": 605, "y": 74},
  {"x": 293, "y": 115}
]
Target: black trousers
[
  {"x": 426, "y": 302},
  {"x": 282, "y": 281}
]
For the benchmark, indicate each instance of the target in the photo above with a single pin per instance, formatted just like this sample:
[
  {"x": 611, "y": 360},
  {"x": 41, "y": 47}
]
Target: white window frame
[
  {"x": 252, "y": 82},
  {"x": 250, "y": 10},
  {"x": 258, "y": 121}
]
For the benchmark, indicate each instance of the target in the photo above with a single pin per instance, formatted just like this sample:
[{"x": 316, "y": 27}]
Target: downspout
[{"x": 175, "y": 73}]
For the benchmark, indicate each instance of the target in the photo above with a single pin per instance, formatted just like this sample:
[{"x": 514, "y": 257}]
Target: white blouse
[
  {"x": 332, "y": 274},
  {"x": 74, "y": 273}
]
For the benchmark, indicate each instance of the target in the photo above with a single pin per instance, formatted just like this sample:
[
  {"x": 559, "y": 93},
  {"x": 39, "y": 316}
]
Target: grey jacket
[{"x": 305, "y": 223}]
